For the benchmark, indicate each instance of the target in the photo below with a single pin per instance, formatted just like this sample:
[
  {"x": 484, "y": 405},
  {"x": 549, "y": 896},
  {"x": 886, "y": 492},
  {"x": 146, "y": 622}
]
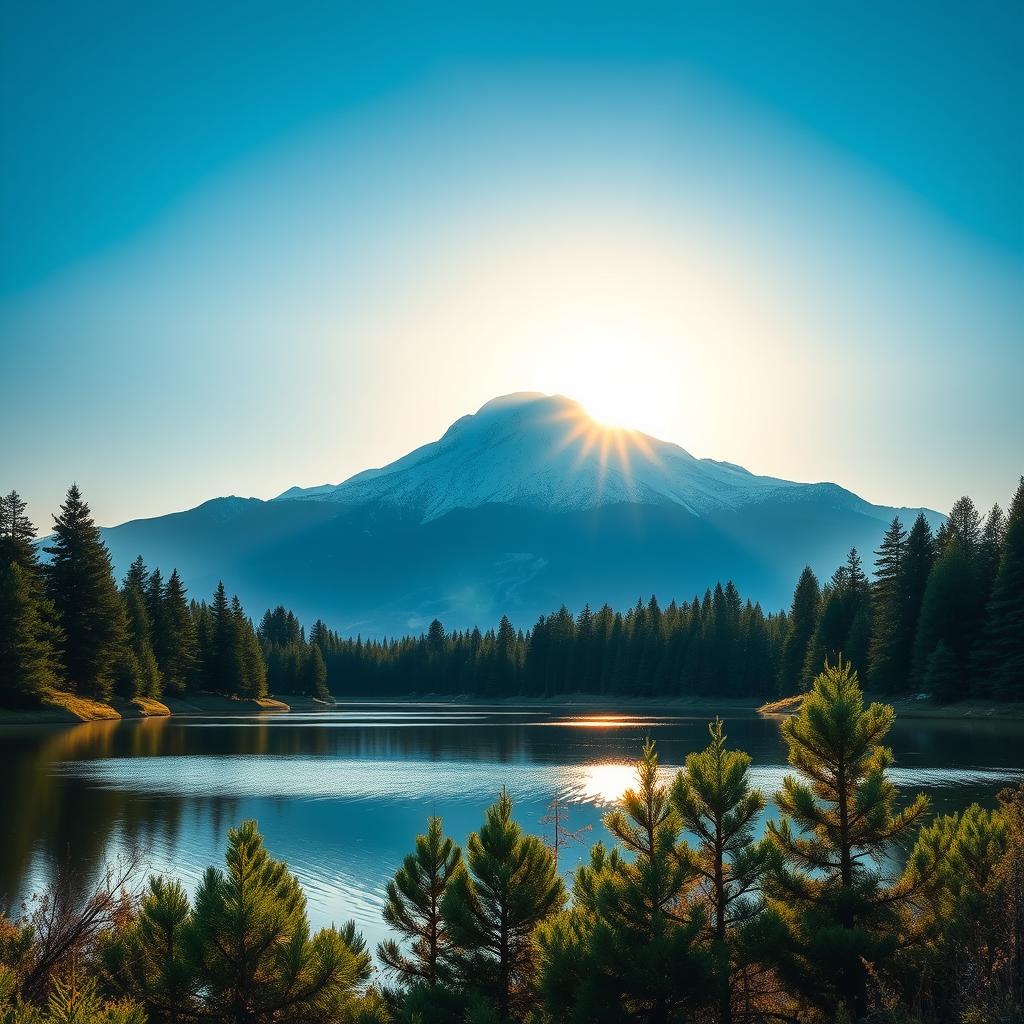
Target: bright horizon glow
[{"x": 705, "y": 226}]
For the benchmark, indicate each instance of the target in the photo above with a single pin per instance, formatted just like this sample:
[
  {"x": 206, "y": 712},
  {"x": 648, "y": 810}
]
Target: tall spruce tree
[
  {"x": 493, "y": 905},
  {"x": 175, "y": 639},
  {"x": 413, "y": 909},
  {"x": 80, "y": 583},
  {"x": 28, "y": 634},
  {"x": 888, "y": 651},
  {"x": 718, "y": 804},
  {"x": 835, "y": 917},
  {"x": 1001, "y": 653},
  {"x": 803, "y": 618},
  {"x": 27, "y": 661}
]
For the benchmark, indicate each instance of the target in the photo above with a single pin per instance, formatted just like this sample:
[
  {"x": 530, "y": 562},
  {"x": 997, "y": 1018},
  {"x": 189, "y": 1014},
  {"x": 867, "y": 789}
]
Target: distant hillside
[{"x": 518, "y": 508}]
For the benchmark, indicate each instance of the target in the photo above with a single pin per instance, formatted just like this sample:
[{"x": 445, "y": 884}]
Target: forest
[
  {"x": 852, "y": 905},
  {"x": 941, "y": 614}
]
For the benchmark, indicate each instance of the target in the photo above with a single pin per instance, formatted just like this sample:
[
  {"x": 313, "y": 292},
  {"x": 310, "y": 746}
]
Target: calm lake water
[{"x": 341, "y": 795}]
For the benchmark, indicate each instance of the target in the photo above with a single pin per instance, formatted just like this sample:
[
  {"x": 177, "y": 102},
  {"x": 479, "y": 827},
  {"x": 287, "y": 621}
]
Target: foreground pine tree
[
  {"x": 835, "y": 917},
  {"x": 413, "y": 908},
  {"x": 493, "y": 905},
  {"x": 242, "y": 951},
  {"x": 80, "y": 583},
  {"x": 627, "y": 950},
  {"x": 718, "y": 804}
]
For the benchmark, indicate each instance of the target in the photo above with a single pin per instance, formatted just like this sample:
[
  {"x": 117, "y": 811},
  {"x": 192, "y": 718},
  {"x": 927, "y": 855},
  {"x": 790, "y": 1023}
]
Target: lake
[{"x": 340, "y": 795}]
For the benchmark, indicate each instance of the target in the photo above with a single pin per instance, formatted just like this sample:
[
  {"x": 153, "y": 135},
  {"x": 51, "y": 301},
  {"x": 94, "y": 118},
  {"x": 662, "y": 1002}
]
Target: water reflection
[{"x": 340, "y": 795}]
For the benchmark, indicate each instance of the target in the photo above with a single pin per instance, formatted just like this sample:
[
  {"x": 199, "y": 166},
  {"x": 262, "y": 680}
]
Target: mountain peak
[{"x": 531, "y": 449}]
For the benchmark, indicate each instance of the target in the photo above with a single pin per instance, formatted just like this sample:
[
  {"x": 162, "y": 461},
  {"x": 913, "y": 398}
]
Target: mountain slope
[
  {"x": 518, "y": 508},
  {"x": 545, "y": 452}
]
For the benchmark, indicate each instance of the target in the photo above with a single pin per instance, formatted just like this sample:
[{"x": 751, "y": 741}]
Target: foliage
[{"x": 492, "y": 906}]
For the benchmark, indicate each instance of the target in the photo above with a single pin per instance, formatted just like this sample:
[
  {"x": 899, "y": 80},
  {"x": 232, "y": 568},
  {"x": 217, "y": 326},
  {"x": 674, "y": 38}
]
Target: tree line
[
  {"x": 66, "y": 625},
  {"x": 850, "y": 907},
  {"x": 942, "y": 613}
]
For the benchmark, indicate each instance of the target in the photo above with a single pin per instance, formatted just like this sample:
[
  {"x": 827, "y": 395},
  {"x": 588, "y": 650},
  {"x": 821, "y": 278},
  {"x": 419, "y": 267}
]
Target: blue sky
[{"x": 249, "y": 246}]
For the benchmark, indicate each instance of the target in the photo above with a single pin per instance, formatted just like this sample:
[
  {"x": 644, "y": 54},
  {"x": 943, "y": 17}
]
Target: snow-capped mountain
[
  {"x": 539, "y": 451},
  {"x": 518, "y": 508}
]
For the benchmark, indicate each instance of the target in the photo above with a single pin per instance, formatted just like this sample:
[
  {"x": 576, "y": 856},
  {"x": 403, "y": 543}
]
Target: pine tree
[
  {"x": 175, "y": 641},
  {"x": 949, "y": 614},
  {"x": 887, "y": 653},
  {"x": 626, "y": 951},
  {"x": 834, "y": 917},
  {"x": 242, "y": 951},
  {"x": 717, "y": 803},
  {"x": 17, "y": 533},
  {"x": 80, "y": 583},
  {"x": 314, "y": 673},
  {"x": 27, "y": 661},
  {"x": 1001, "y": 652},
  {"x": 493, "y": 905},
  {"x": 413, "y": 909},
  {"x": 140, "y": 673},
  {"x": 802, "y": 619},
  {"x": 147, "y": 681},
  {"x": 28, "y": 658}
]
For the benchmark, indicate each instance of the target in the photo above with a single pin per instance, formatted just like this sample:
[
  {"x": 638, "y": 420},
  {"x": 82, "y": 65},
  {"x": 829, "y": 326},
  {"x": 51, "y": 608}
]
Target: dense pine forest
[
  {"x": 851, "y": 907},
  {"x": 938, "y": 613}
]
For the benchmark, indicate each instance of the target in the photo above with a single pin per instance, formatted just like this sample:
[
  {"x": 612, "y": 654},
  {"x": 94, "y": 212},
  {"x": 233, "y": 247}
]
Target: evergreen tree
[
  {"x": 27, "y": 661},
  {"x": 17, "y": 533},
  {"x": 81, "y": 586},
  {"x": 314, "y": 673},
  {"x": 889, "y": 647},
  {"x": 242, "y": 951},
  {"x": 147, "y": 680},
  {"x": 176, "y": 643},
  {"x": 717, "y": 803},
  {"x": 1001, "y": 654},
  {"x": 949, "y": 614},
  {"x": 802, "y": 620},
  {"x": 413, "y": 909},
  {"x": 492, "y": 906},
  {"x": 834, "y": 916},
  {"x": 627, "y": 949}
]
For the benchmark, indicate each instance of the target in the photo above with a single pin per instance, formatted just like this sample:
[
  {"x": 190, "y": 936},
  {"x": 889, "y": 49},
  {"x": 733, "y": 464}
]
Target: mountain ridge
[{"x": 517, "y": 508}]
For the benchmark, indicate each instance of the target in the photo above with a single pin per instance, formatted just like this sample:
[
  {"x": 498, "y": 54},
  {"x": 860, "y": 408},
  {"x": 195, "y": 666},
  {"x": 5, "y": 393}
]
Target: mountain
[{"x": 522, "y": 506}]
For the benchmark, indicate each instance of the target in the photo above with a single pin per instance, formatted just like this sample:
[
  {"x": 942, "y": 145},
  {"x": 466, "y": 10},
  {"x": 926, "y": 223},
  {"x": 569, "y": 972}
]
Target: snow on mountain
[{"x": 539, "y": 451}]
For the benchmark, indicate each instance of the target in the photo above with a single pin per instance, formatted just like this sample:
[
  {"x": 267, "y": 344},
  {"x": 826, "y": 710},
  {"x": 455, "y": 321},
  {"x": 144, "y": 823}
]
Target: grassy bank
[
  {"x": 911, "y": 707},
  {"x": 59, "y": 707}
]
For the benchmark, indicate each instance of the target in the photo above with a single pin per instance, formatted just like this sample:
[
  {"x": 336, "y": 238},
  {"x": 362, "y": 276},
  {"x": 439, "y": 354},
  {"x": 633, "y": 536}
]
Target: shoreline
[
  {"x": 69, "y": 709},
  {"x": 62, "y": 708}
]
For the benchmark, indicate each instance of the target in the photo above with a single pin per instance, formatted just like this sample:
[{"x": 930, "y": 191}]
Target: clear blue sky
[{"x": 245, "y": 246}]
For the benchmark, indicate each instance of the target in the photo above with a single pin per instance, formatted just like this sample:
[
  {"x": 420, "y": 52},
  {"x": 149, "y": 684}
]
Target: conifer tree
[
  {"x": 718, "y": 804},
  {"x": 17, "y": 533},
  {"x": 1002, "y": 646},
  {"x": 493, "y": 905},
  {"x": 834, "y": 915},
  {"x": 888, "y": 653},
  {"x": 81, "y": 586},
  {"x": 147, "y": 680},
  {"x": 242, "y": 951},
  {"x": 802, "y": 620},
  {"x": 627, "y": 950},
  {"x": 27, "y": 660},
  {"x": 314, "y": 673},
  {"x": 176, "y": 643},
  {"x": 413, "y": 909}
]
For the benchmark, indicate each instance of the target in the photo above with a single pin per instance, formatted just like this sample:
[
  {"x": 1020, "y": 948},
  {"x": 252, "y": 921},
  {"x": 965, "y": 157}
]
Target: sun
[{"x": 614, "y": 381}]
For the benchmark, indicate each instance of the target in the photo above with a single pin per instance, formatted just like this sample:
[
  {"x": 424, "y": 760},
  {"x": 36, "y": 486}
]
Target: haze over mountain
[{"x": 522, "y": 506}]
